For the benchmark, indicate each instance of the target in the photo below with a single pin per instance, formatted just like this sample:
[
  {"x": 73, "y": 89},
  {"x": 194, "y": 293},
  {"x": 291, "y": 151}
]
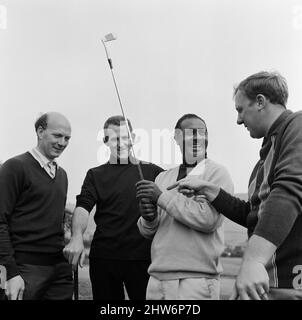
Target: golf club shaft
[
  {"x": 76, "y": 283},
  {"x": 123, "y": 112}
]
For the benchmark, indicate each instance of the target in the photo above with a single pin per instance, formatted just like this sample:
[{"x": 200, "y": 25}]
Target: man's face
[
  {"x": 191, "y": 140},
  {"x": 55, "y": 138},
  {"x": 118, "y": 141},
  {"x": 249, "y": 115}
]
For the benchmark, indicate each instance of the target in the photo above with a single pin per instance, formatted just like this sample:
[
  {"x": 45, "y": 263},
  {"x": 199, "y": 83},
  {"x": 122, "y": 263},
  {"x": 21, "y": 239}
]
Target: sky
[{"x": 171, "y": 57}]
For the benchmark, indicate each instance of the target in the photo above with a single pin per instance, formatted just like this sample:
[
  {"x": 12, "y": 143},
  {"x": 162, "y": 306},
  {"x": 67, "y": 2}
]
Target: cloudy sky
[{"x": 171, "y": 57}]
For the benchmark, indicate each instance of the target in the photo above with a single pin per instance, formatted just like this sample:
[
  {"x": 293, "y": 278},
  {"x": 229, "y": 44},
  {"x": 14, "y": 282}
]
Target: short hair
[
  {"x": 41, "y": 122},
  {"x": 271, "y": 84},
  {"x": 188, "y": 116},
  {"x": 115, "y": 121}
]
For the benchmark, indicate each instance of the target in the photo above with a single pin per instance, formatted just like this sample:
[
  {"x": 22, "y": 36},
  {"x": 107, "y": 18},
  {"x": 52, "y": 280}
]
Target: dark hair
[
  {"x": 188, "y": 116},
  {"x": 193, "y": 116},
  {"x": 41, "y": 122},
  {"x": 115, "y": 121},
  {"x": 271, "y": 84}
]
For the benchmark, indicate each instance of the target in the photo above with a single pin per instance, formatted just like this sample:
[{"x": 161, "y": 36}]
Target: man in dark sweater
[
  {"x": 272, "y": 264},
  {"x": 119, "y": 255},
  {"x": 33, "y": 192}
]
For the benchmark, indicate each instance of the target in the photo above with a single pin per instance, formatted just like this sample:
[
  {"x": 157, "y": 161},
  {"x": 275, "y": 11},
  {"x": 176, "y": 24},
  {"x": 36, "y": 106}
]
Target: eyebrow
[{"x": 61, "y": 135}]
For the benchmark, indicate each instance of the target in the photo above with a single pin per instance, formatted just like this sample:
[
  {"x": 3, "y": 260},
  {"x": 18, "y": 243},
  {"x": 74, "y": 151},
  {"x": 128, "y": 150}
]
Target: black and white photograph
[{"x": 150, "y": 152}]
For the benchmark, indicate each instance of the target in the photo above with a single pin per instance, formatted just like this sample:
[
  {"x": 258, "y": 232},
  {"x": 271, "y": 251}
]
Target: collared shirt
[{"x": 49, "y": 166}]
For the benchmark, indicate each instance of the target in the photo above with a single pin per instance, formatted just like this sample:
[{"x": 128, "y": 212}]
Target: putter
[
  {"x": 110, "y": 37},
  {"x": 76, "y": 283}
]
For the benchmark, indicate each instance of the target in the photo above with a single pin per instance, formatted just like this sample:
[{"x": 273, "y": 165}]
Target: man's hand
[
  {"x": 15, "y": 288},
  {"x": 147, "y": 209},
  {"x": 193, "y": 185},
  {"x": 252, "y": 282},
  {"x": 148, "y": 189},
  {"x": 74, "y": 252}
]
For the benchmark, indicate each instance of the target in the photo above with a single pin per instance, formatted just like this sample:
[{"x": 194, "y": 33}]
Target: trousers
[
  {"x": 51, "y": 282},
  {"x": 183, "y": 289},
  {"x": 109, "y": 277}
]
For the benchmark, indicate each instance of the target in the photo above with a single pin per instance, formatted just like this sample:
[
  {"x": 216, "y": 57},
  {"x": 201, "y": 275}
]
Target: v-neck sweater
[{"x": 32, "y": 207}]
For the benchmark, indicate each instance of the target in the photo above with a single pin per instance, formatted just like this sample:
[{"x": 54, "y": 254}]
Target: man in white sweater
[{"x": 187, "y": 232}]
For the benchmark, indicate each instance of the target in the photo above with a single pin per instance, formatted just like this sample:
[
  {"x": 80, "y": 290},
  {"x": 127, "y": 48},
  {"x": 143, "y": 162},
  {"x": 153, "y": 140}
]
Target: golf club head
[{"x": 109, "y": 37}]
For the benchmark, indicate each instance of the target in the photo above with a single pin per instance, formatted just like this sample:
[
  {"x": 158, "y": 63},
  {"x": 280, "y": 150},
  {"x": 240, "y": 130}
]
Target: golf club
[
  {"x": 76, "y": 283},
  {"x": 111, "y": 37}
]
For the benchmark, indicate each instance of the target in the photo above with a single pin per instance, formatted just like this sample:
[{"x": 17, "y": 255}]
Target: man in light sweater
[{"x": 187, "y": 232}]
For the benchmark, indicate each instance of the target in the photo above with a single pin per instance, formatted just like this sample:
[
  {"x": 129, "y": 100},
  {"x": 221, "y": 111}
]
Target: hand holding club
[{"x": 148, "y": 189}]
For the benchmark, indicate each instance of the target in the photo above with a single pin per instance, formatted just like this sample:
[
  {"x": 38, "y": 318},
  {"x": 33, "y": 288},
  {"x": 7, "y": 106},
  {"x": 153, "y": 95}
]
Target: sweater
[
  {"x": 32, "y": 208},
  {"x": 111, "y": 187},
  {"x": 188, "y": 235},
  {"x": 275, "y": 199}
]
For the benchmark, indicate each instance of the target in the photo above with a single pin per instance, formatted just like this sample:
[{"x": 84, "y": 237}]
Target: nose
[
  {"x": 239, "y": 120},
  {"x": 198, "y": 139},
  {"x": 62, "y": 142},
  {"x": 118, "y": 142}
]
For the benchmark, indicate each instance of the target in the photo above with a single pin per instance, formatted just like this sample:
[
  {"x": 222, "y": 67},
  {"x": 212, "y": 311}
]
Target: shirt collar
[{"x": 43, "y": 161}]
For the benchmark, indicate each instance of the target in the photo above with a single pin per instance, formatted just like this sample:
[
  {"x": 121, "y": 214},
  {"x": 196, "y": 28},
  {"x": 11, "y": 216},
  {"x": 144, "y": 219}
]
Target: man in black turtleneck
[{"x": 119, "y": 255}]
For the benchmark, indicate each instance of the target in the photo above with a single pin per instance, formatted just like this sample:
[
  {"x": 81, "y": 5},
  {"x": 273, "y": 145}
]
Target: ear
[
  {"x": 40, "y": 132},
  {"x": 261, "y": 101},
  {"x": 178, "y": 136},
  {"x": 105, "y": 140}
]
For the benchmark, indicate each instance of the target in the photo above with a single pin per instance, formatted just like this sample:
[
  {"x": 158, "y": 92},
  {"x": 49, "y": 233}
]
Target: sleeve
[
  {"x": 233, "y": 208},
  {"x": 11, "y": 182},
  {"x": 196, "y": 213},
  {"x": 148, "y": 228},
  {"x": 157, "y": 170},
  {"x": 88, "y": 196},
  {"x": 284, "y": 204}
]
